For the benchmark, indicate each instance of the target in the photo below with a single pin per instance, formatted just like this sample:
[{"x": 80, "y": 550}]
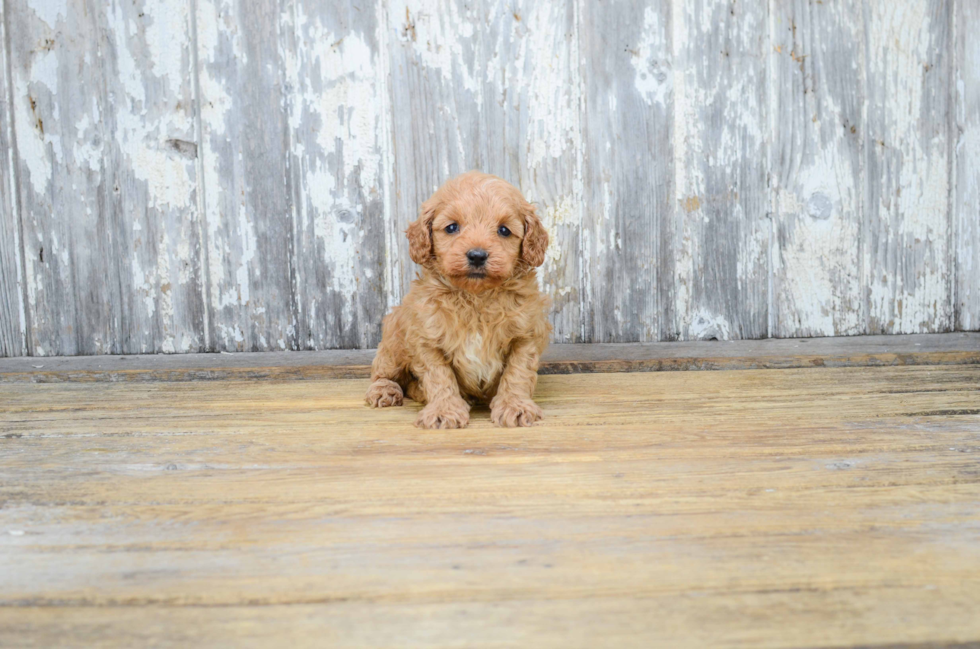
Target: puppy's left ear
[
  {"x": 420, "y": 234},
  {"x": 535, "y": 237}
]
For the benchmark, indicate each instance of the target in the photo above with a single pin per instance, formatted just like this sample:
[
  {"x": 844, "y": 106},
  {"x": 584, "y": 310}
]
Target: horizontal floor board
[{"x": 857, "y": 351}]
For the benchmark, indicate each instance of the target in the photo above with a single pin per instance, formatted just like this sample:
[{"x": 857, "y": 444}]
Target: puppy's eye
[
  {"x": 503, "y": 231},
  {"x": 452, "y": 228}
]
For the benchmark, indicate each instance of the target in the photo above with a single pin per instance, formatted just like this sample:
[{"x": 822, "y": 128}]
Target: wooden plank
[
  {"x": 819, "y": 507},
  {"x": 63, "y": 185},
  {"x": 152, "y": 183},
  {"x": 541, "y": 91},
  {"x": 338, "y": 156},
  {"x": 491, "y": 85},
  {"x": 966, "y": 197},
  {"x": 245, "y": 153},
  {"x": 715, "y": 266},
  {"x": 106, "y": 171},
  {"x": 816, "y": 168},
  {"x": 907, "y": 252},
  {"x": 925, "y": 349},
  {"x": 609, "y": 620},
  {"x": 435, "y": 132},
  {"x": 626, "y": 72},
  {"x": 13, "y": 325}
]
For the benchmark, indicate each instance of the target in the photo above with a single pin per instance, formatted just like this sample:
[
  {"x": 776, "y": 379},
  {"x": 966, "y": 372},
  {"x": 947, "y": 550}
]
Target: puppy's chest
[{"x": 478, "y": 361}]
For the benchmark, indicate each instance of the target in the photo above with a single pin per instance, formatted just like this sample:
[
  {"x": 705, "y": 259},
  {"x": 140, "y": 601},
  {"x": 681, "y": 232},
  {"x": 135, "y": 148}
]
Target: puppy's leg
[
  {"x": 445, "y": 407},
  {"x": 414, "y": 391},
  {"x": 512, "y": 405},
  {"x": 384, "y": 390}
]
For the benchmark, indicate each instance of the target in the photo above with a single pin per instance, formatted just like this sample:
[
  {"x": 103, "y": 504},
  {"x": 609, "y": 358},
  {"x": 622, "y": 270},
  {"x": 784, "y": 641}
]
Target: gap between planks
[{"x": 858, "y": 351}]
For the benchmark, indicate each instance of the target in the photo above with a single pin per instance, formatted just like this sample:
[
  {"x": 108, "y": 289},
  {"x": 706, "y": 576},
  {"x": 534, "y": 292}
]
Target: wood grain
[
  {"x": 966, "y": 196},
  {"x": 338, "y": 149},
  {"x": 628, "y": 133},
  {"x": 64, "y": 190},
  {"x": 816, "y": 507},
  {"x": 13, "y": 325},
  {"x": 544, "y": 128},
  {"x": 104, "y": 112},
  {"x": 907, "y": 247},
  {"x": 209, "y": 175},
  {"x": 434, "y": 72},
  {"x": 718, "y": 234},
  {"x": 245, "y": 153},
  {"x": 817, "y": 171},
  {"x": 150, "y": 158}
]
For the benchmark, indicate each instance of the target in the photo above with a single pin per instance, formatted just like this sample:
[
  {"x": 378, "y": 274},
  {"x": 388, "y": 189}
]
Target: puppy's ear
[
  {"x": 535, "y": 237},
  {"x": 420, "y": 234}
]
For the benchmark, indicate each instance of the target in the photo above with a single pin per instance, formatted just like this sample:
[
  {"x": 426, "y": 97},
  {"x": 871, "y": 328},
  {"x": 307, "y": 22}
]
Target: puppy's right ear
[{"x": 420, "y": 234}]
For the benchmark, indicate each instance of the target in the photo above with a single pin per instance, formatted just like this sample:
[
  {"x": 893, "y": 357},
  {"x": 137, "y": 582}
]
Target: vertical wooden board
[
  {"x": 715, "y": 271},
  {"x": 816, "y": 167},
  {"x": 906, "y": 248},
  {"x": 629, "y": 183},
  {"x": 492, "y": 85},
  {"x": 435, "y": 96},
  {"x": 151, "y": 157},
  {"x": 538, "y": 83},
  {"x": 518, "y": 44},
  {"x": 966, "y": 197},
  {"x": 59, "y": 104},
  {"x": 244, "y": 149},
  {"x": 535, "y": 57},
  {"x": 12, "y": 316},
  {"x": 338, "y": 151}
]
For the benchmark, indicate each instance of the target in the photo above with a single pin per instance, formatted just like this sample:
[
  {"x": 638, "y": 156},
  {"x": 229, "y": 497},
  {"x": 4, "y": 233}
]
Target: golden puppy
[{"x": 474, "y": 323}]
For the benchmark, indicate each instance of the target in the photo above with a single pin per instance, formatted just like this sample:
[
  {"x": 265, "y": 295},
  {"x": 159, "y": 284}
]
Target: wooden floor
[{"x": 758, "y": 508}]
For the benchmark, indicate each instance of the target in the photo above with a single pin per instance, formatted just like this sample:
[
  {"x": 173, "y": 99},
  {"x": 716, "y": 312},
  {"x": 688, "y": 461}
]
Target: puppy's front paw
[
  {"x": 444, "y": 414},
  {"x": 510, "y": 412},
  {"x": 384, "y": 393}
]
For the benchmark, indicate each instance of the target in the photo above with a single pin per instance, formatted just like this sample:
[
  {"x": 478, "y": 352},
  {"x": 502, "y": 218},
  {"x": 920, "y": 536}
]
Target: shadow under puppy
[{"x": 474, "y": 324}]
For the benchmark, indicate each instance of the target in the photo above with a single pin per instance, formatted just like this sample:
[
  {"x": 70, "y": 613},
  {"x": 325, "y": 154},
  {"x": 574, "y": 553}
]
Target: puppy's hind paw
[
  {"x": 384, "y": 393},
  {"x": 511, "y": 412},
  {"x": 444, "y": 415}
]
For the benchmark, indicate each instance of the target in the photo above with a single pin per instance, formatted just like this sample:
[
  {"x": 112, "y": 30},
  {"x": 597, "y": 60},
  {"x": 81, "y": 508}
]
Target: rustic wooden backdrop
[{"x": 188, "y": 175}]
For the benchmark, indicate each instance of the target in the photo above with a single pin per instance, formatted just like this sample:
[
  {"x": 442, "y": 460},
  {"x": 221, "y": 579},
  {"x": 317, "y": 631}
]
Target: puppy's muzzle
[{"x": 477, "y": 257}]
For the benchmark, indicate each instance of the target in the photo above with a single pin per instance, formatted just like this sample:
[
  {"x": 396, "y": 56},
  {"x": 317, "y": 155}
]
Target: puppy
[{"x": 474, "y": 323}]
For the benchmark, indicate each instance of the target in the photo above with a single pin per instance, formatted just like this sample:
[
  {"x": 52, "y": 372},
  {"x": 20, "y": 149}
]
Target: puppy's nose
[{"x": 477, "y": 257}]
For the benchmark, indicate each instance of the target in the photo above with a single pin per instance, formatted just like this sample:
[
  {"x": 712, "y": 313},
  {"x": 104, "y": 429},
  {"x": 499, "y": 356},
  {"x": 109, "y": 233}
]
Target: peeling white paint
[
  {"x": 50, "y": 11},
  {"x": 818, "y": 275},
  {"x": 510, "y": 80},
  {"x": 247, "y": 231},
  {"x": 653, "y": 79},
  {"x": 336, "y": 117},
  {"x": 719, "y": 123},
  {"x": 436, "y": 31},
  {"x": 908, "y": 288},
  {"x": 32, "y": 144},
  {"x": 10, "y": 186},
  {"x": 553, "y": 103},
  {"x": 706, "y": 326},
  {"x": 393, "y": 287},
  {"x": 688, "y": 179},
  {"x": 563, "y": 213},
  {"x": 966, "y": 201},
  {"x": 167, "y": 178},
  {"x": 218, "y": 36}
]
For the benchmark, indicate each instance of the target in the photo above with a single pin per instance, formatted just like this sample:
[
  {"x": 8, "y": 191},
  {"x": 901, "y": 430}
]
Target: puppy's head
[{"x": 477, "y": 231}]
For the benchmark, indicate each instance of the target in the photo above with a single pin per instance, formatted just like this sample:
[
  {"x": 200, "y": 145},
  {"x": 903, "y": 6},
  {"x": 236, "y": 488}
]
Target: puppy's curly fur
[{"x": 468, "y": 331}]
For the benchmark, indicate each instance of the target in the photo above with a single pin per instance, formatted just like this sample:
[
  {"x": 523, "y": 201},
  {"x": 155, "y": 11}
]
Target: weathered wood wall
[{"x": 189, "y": 175}]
